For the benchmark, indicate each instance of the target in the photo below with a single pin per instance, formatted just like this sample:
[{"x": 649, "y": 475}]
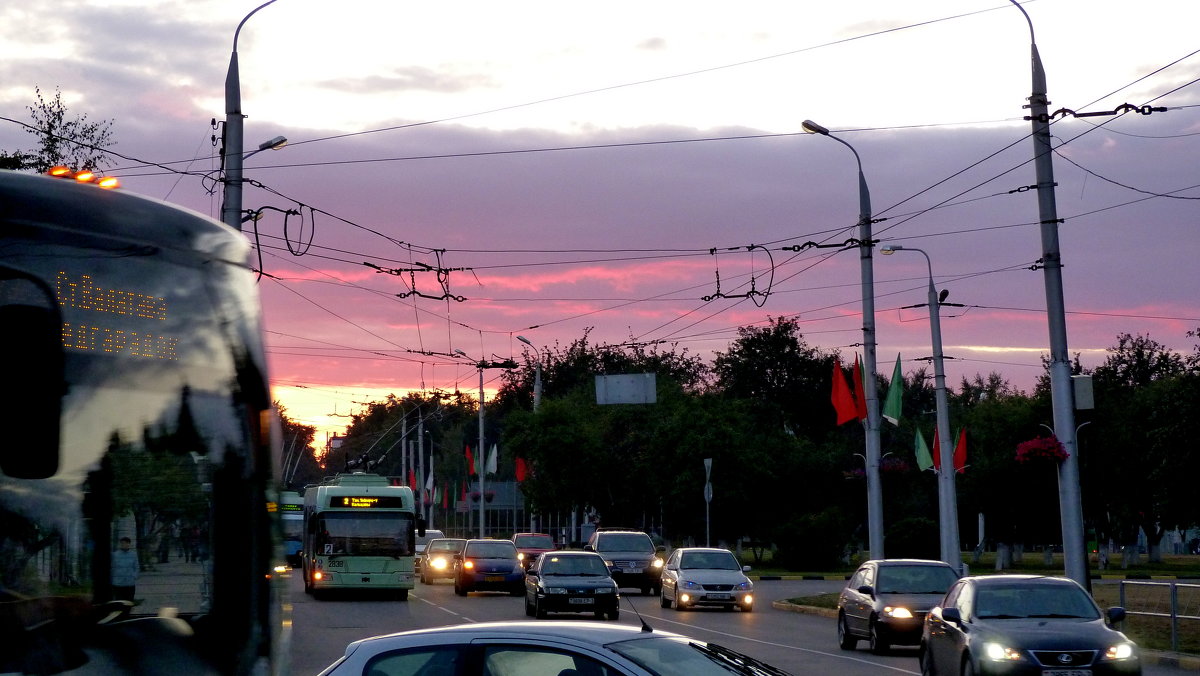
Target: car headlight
[
  {"x": 657, "y": 563},
  {"x": 745, "y": 586},
  {"x": 440, "y": 564},
  {"x": 688, "y": 584},
  {"x": 998, "y": 652},
  {"x": 606, "y": 590},
  {"x": 898, "y": 612},
  {"x": 1120, "y": 651},
  {"x": 555, "y": 590},
  {"x": 468, "y": 564}
]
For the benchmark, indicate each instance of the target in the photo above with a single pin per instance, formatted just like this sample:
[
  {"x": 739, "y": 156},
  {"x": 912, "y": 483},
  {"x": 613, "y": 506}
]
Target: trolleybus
[
  {"x": 359, "y": 534},
  {"x": 137, "y": 440},
  {"x": 291, "y": 514}
]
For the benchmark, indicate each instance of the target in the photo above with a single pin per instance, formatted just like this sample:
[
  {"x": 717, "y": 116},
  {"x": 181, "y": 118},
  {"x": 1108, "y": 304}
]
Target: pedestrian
[{"x": 125, "y": 570}]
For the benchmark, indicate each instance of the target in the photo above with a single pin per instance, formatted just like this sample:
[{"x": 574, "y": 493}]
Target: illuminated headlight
[
  {"x": 900, "y": 613},
  {"x": 1001, "y": 653},
  {"x": 688, "y": 584},
  {"x": 748, "y": 599},
  {"x": 556, "y": 590},
  {"x": 281, "y": 569},
  {"x": 440, "y": 564},
  {"x": 520, "y": 556},
  {"x": 606, "y": 590},
  {"x": 468, "y": 564},
  {"x": 657, "y": 563},
  {"x": 745, "y": 586},
  {"x": 1120, "y": 651}
]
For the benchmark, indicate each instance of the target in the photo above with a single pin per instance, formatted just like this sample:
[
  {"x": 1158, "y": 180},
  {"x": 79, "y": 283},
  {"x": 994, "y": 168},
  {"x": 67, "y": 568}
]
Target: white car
[
  {"x": 555, "y": 647},
  {"x": 706, "y": 576}
]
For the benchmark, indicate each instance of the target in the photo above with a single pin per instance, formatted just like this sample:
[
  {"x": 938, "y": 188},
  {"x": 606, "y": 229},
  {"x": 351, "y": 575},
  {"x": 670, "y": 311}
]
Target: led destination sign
[{"x": 368, "y": 501}]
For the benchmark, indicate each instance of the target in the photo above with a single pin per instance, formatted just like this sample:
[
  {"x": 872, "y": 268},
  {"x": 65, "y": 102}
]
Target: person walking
[{"x": 125, "y": 570}]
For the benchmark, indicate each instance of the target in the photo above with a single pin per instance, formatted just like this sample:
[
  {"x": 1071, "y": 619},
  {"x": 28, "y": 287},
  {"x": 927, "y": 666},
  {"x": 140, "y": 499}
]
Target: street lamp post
[
  {"x": 947, "y": 495},
  {"x": 231, "y": 210},
  {"x": 1070, "y": 503},
  {"x": 537, "y": 376},
  {"x": 874, "y": 487}
]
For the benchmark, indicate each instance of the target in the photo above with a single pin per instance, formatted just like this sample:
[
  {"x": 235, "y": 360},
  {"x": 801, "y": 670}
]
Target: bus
[
  {"x": 136, "y": 466},
  {"x": 359, "y": 534},
  {"x": 291, "y": 515}
]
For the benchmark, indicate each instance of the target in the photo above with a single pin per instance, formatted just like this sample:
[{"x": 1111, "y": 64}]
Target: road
[{"x": 798, "y": 643}]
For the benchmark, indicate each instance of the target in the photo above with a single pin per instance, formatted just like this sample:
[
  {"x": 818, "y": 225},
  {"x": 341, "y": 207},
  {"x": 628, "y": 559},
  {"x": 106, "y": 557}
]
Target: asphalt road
[{"x": 798, "y": 643}]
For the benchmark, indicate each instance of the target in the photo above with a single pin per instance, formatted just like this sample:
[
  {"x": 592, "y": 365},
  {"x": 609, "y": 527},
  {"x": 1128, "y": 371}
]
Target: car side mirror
[
  {"x": 952, "y": 615},
  {"x": 745, "y": 569},
  {"x": 660, "y": 550},
  {"x": 866, "y": 589},
  {"x": 1115, "y": 614},
  {"x": 531, "y": 573},
  {"x": 588, "y": 548}
]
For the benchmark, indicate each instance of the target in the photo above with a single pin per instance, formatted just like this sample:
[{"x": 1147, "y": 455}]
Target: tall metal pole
[
  {"x": 231, "y": 209},
  {"x": 947, "y": 493},
  {"x": 1070, "y": 503},
  {"x": 479, "y": 464},
  {"x": 874, "y": 486}
]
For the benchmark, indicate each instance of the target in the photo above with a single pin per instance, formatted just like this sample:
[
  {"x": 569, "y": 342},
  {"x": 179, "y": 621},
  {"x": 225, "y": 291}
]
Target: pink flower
[{"x": 1041, "y": 449}]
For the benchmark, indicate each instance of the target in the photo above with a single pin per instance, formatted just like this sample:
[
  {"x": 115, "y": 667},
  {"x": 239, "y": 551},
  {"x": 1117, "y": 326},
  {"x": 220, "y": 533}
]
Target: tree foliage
[{"x": 74, "y": 142}]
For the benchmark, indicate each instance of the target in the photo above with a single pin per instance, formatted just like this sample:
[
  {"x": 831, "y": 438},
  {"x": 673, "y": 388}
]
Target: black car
[
  {"x": 1024, "y": 624},
  {"x": 571, "y": 582},
  {"x": 886, "y": 600},
  {"x": 632, "y": 557}
]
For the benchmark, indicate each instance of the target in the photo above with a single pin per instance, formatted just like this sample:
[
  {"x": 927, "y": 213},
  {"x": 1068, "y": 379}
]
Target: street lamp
[
  {"x": 874, "y": 487},
  {"x": 1070, "y": 502},
  {"x": 537, "y": 376},
  {"x": 947, "y": 497},
  {"x": 231, "y": 210},
  {"x": 270, "y": 144}
]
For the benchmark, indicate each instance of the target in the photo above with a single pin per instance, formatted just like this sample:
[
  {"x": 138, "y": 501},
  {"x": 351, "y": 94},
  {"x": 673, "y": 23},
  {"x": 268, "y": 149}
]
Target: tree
[{"x": 75, "y": 142}]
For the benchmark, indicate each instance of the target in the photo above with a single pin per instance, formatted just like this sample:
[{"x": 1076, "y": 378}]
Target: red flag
[
  {"x": 463, "y": 497},
  {"x": 445, "y": 495},
  {"x": 412, "y": 480},
  {"x": 937, "y": 452},
  {"x": 520, "y": 469},
  {"x": 470, "y": 462},
  {"x": 960, "y": 451},
  {"x": 860, "y": 392},
  {"x": 843, "y": 400}
]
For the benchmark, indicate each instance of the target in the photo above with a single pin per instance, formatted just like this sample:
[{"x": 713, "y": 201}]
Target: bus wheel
[{"x": 402, "y": 595}]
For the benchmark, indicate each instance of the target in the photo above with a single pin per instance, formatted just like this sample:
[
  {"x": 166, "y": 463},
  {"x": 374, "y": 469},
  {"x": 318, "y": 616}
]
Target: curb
[{"x": 1156, "y": 657}]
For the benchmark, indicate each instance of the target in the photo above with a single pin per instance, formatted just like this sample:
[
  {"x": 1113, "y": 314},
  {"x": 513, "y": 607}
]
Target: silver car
[
  {"x": 706, "y": 576},
  {"x": 554, "y": 647}
]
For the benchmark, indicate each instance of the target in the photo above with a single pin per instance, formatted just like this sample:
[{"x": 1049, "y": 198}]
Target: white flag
[{"x": 492, "y": 459}]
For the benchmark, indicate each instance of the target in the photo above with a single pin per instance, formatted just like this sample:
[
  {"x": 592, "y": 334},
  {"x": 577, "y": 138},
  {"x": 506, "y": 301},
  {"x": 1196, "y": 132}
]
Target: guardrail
[{"x": 1168, "y": 608}]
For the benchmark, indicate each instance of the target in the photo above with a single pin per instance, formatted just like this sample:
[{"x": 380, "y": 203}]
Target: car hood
[
  {"x": 918, "y": 602},
  {"x": 1051, "y": 634},
  {"x": 577, "y": 581},
  {"x": 634, "y": 556},
  {"x": 713, "y": 576}
]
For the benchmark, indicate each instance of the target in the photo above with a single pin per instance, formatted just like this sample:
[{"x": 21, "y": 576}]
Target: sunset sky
[{"x": 609, "y": 167}]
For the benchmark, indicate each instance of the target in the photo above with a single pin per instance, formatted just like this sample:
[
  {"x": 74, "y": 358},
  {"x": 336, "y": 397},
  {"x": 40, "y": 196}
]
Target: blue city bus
[
  {"x": 291, "y": 514},
  {"x": 136, "y": 466}
]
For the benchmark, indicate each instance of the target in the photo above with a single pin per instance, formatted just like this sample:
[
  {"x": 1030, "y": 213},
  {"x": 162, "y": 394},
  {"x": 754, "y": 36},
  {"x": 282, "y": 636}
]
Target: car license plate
[
  {"x": 1066, "y": 672},
  {"x": 719, "y": 597},
  {"x": 493, "y": 578},
  {"x": 633, "y": 570},
  {"x": 583, "y": 601}
]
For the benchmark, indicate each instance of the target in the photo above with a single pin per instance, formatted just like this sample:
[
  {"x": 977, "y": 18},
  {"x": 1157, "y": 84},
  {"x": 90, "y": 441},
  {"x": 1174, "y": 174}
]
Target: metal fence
[{"x": 1171, "y": 600}]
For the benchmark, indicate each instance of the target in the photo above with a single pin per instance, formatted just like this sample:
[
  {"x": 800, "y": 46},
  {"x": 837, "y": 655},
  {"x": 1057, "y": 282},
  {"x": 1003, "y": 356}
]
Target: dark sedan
[
  {"x": 488, "y": 565},
  {"x": 1013, "y": 625},
  {"x": 885, "y": 601},
  {"x": 571, "y": 582}
]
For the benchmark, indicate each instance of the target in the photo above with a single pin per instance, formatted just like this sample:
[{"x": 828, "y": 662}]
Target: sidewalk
[
  {"x": 1156, "y": 657},
  {"x": 177, "y": 584}
]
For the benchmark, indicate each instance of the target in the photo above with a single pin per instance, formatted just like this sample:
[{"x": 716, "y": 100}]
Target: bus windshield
[{"x": 365, "y": 533}]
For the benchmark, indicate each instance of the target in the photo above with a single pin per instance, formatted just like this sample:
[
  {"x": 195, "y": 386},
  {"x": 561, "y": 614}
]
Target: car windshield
[
  {"x": 914, "y": 579},
  {"x": 574, "y": 565},
  {"x": 712, "y": 560},
  {"x": 1034, "y": 600},
  {"x": 625, "y": 542},
  {"x": 491, "y": 550},
  {"x": 446, "y": 545},
  {"x": 668, "y": 656},
  {"x": 535, "y": 541}
]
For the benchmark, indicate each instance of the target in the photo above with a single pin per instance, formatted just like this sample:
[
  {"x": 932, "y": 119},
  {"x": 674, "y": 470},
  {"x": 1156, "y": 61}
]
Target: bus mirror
[
  {"x": 420, "y": 527},
  {"x": 34, "y": 384}
]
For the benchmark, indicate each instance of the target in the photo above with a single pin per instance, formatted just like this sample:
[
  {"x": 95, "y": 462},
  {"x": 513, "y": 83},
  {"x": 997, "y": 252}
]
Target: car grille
[
  {"x": 1064, "y": 658},
  {"x": 630, "y": 564},
  {"x": 718, "y": 587}
]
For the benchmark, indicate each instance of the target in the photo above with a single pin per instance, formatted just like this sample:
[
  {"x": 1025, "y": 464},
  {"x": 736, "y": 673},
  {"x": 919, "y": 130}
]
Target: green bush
[
  {"x": 812, "y": 541},
  {"x": 913, "y": 538}
]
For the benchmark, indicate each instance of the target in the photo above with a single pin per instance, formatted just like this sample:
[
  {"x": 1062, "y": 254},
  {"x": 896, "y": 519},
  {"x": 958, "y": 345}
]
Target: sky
[{"x": 472, "y": 172}]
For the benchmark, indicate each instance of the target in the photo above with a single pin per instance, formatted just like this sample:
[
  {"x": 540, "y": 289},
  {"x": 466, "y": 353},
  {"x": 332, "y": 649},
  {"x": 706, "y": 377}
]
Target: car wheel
[
  {"x": 528, "y": 607},
  {"x": 679, "y": 604},
  {"x": 614, "y": 614},
  {"x": 968, "y": 667},
  {"x": 517, "y": 591},
  {"x": 846, "y": 640},
  {"x": 656, "y": 590},
  {"x": 402, "y": 595},
  {"x": 747, "y": 608},
  {"x": 925, "y": 661},
  {"x": 538, "y": 611},
  {"x": 459, "y": 589},
  {"x": 664, "y": 602},
  {"x": 646, "y": 591},
  {"x": 878, "y": 645}
]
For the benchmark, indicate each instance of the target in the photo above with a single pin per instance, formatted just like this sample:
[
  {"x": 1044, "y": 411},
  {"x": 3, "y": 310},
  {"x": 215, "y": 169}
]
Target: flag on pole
[
  {"x": 492, "y": 459},
  {"x": 960, "y": 451},
  {"x": 412, "y": 480},
  {"x": 891, "y": 406},
  {"x": 470, "y": 462},
  {"x": 521, "y": 469},
  {"x": 843, "y": 400},
  {"x": 445, "y": 495},
  {"x": 429, "y": 482},
  {"x": 860, "y": 392},
  {"x": 924, "y": 462},
  {"x": 463, "y": 496}
]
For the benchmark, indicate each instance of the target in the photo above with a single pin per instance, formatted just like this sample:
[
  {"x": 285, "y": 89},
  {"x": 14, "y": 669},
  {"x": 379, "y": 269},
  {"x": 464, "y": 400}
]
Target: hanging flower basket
[
  {"x": 1041, "y": 449},
  {"x": 894, "y": 465}
]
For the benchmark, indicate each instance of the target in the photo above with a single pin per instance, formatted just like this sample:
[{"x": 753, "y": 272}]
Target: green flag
[
  {"x": 924, "y": 461},
  {"x": 891, "y": 405}
]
